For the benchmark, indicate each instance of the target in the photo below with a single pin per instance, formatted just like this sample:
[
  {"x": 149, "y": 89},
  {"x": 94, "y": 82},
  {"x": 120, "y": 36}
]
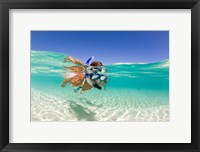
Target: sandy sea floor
[{"x": 98, "y": 107}]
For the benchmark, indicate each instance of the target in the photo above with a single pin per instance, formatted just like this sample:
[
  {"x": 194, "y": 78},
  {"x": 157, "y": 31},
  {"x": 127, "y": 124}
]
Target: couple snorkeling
[{"x": 85, "y": 76}]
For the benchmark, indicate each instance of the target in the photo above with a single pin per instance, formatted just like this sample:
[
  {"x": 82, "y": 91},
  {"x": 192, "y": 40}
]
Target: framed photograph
[{"x": 99, "y": 75}]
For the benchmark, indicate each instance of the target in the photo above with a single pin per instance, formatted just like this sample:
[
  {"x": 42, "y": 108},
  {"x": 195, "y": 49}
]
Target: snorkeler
[{"x": 85, "y": 76}]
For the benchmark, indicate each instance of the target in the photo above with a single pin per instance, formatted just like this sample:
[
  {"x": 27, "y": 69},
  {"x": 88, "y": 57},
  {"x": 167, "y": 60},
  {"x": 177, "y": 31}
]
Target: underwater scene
[
  {"x": 135, "y": 92},
  {"x": 99, "y": 76}
]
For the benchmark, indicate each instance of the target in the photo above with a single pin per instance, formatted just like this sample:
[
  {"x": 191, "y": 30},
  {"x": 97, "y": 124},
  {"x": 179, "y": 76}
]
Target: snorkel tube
[
  {"x": 87, "y": 76},
  {"x": 88, "y": 61}
]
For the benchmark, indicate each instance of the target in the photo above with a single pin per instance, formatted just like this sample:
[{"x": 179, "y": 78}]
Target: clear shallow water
[{"x": 135, "y": 92}]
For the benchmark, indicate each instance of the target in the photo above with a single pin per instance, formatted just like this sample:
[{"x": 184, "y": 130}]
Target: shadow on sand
[
  {"x": 89, "y": 102},
  {"x": 82, "y": 112}
]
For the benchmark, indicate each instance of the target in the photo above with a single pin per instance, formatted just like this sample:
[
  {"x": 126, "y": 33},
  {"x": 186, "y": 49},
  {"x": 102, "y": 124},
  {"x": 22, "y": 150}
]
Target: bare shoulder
[{"x": 72, "y": 59}]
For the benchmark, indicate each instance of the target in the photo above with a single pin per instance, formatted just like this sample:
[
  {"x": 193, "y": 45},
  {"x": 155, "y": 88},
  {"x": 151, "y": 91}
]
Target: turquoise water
[{"x": 135, "y": 92}]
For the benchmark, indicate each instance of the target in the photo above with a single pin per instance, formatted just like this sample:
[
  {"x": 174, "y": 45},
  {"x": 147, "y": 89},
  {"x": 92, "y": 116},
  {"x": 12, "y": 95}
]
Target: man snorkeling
[{"x": 85, "y": 76}]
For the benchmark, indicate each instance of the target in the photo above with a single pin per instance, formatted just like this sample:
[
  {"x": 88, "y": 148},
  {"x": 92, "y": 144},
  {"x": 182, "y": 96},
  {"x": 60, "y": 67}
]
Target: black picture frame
[{"x": 5, "y": 5}]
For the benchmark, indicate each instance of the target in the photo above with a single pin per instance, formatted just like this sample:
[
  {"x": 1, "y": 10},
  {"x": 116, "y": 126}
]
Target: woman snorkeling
[{"x": 85, "y": 76}]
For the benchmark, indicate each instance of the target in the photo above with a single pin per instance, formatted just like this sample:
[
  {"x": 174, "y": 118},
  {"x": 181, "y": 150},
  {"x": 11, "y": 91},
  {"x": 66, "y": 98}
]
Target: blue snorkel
[{"x": 88, "y": 61}]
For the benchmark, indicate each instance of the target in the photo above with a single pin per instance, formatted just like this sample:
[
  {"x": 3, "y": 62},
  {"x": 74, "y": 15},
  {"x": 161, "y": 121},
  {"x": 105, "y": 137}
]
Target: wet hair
[{"x": 96, "y": 63}]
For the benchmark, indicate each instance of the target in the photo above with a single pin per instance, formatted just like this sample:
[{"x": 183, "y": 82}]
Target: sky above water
[{"x": 106, "y": 46}]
